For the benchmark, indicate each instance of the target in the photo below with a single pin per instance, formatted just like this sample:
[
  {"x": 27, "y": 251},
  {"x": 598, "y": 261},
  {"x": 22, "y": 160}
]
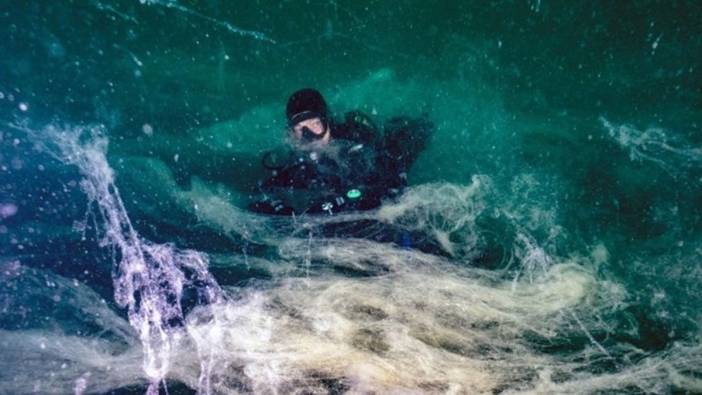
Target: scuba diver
[{"x": 331, "y": 166}]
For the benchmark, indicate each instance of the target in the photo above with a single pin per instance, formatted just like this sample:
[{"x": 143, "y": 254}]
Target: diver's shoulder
[
  {"x": 356, "y": 126},
  {"x": 360, "y": 118}
]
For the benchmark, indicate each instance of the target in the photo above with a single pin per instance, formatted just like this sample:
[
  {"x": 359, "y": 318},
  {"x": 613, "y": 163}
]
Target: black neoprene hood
[{"x": 305, "y": 104}]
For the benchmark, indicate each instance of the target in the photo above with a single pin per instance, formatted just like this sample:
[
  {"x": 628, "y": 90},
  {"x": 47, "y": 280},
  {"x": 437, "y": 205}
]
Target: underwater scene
[{"x": 544, "y": 236}]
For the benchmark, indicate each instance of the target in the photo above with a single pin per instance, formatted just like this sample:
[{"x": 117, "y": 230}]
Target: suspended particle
[{"x": 7, "y": 210}]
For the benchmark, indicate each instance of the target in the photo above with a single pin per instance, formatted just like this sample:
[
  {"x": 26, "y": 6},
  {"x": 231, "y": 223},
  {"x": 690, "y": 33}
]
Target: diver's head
[{"x": 307, "y": 116}]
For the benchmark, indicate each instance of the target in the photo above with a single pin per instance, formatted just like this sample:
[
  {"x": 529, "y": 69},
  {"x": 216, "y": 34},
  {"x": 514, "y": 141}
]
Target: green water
[{"x": 555, "y": 214}]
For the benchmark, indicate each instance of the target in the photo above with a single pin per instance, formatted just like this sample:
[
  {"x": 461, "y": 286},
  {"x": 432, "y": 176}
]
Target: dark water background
[{"x": 555, "y": 215}]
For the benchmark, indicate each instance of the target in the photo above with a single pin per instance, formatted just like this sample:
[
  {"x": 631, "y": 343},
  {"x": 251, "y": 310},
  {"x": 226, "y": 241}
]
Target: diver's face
[{"x": 311, "y": 130}]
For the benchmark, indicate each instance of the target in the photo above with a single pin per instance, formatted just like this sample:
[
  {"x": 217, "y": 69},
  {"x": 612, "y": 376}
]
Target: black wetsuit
[{"x": 356, "y": 171}]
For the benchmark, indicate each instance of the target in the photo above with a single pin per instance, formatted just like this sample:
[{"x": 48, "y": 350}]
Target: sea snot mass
[{"x": 545, "y": 239}]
